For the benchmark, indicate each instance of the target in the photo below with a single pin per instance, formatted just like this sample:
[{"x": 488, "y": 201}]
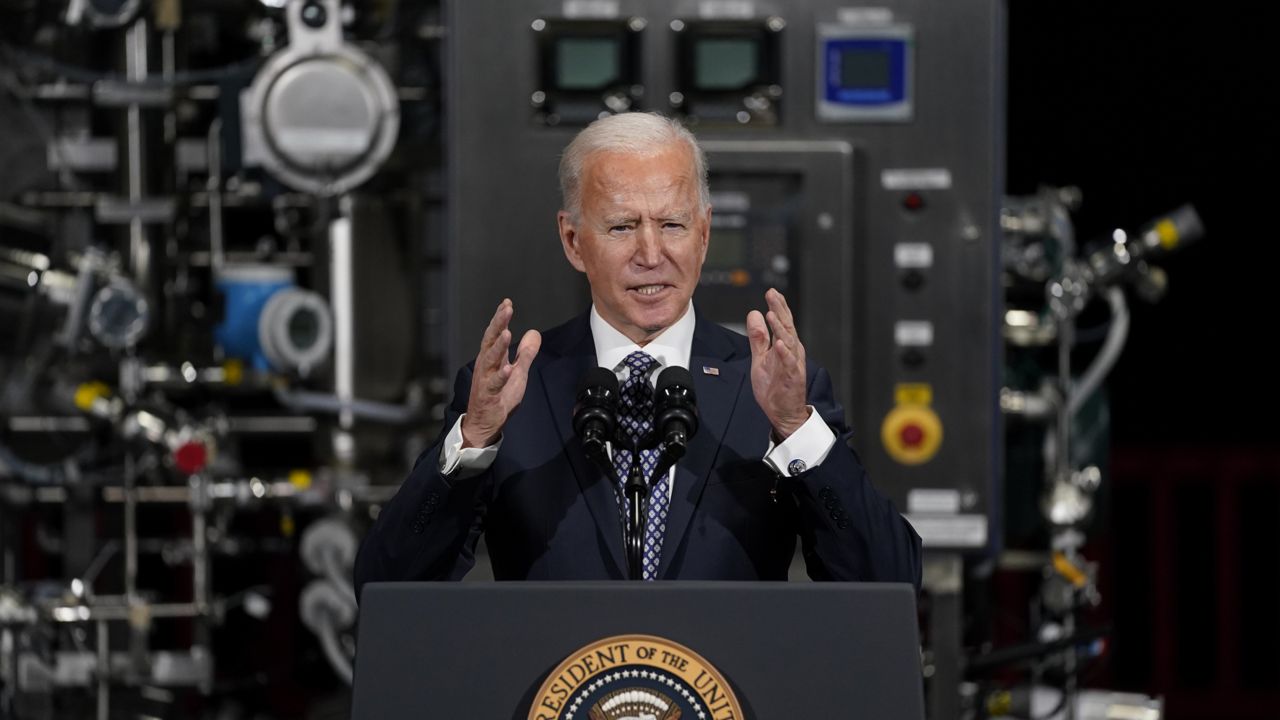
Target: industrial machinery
[
  {"x": 1058, "y": 430},
  {"x": 245, "y": 244},
  {"x": 212, "y": 367}
]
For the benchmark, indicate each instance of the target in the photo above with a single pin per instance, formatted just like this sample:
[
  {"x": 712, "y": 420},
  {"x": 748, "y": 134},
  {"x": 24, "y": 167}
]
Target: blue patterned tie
[{"x": 636, "y": 420}]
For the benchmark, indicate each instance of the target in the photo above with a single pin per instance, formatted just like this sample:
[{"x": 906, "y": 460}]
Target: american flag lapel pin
[{"x": 708, "y": 370}]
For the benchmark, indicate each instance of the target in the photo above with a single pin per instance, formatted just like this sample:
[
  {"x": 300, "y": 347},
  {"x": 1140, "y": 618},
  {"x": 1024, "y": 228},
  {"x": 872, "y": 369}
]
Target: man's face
[{"x": 640, "y": 237}]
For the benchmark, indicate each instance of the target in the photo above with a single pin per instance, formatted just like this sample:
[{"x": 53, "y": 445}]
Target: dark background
[{"x": 1145, "y": 106}]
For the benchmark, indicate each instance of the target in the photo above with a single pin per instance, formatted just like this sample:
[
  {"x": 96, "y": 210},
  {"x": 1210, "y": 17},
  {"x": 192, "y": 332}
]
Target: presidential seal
[{"x": 635, "y": 677}]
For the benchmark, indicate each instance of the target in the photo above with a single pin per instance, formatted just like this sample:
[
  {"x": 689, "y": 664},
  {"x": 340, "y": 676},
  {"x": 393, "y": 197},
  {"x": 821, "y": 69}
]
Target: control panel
[
  {"x": 864, "y": 72},
  {"x": 855, "y": 165}
]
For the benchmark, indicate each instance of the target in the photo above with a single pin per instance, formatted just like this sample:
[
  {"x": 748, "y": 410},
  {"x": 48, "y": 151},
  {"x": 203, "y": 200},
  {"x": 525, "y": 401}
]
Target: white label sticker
[
  {"x": 730, "y": 201},
  {"x": 921, "y": 179},
  {"x": 950, "y": 530},
  {"x": 728, "y": 221},
  {"x": 726, "y": 9},
  {"x": 913, "y": 255},
  {"x": 927, "y": 500},
  {"x": 864, "y": 16},
  {"x": 913, "y": 333},
  {"x": 607, "y": 9}
]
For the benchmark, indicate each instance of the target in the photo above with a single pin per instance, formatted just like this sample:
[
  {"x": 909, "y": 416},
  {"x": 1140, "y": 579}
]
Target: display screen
[
  {"x": 864, "y": 69},
  {"x": 727, "y": 248},
  {"x": 586, "y": 63},
  {"x": 725, "y": 63}
]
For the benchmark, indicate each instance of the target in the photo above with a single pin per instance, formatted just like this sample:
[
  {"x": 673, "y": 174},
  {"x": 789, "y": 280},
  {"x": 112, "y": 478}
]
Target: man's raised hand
[
  {"x": 497, "y": 386},
  {"x": 777, "y": 367}
]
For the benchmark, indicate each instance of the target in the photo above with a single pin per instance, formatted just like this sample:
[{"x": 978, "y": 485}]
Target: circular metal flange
[
  {"x": 118, "y": 315},
  {"x": 327, "y": 120}
]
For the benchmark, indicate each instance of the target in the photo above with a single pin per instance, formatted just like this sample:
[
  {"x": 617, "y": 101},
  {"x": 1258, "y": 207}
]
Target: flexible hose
[
  {"x": 335, "y": 573},
  {"x": 337, "y": 657},
  {"x": 1106, "y": 359}
]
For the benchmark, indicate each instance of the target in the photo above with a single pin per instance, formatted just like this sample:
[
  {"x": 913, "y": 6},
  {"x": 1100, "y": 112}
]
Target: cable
[
  {"x": 328, "y": 635},
  {"x": 323, "y": 609},
  {"x": 340, "y": 577},
  {"x": 1032, "y": 651},
  {"x": 1117, "y": 335}
]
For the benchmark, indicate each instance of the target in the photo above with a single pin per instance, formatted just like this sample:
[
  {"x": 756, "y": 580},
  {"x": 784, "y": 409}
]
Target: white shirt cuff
[
  {"x": 804, "y": 450},
  {"x": 459, "y": 463}
]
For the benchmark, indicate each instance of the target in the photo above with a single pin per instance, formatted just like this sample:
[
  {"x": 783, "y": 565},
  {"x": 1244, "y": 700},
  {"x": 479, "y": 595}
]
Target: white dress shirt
[{"x": 672, "y": 347}]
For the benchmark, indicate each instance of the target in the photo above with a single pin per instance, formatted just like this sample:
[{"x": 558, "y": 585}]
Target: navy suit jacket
[{"x": 549, "y": 513}]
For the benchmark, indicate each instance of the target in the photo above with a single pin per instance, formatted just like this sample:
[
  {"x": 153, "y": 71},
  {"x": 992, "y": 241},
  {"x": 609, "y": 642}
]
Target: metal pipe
[
  {"x": 214, "y": 187},
  {"x": 1066, "y": 339},
  {"x": 168, "y": 65},
  {"x": 230, "y": 491},
  {"x": 140, "y": 255},
  {"x": 130, "y": 527},
  {"x": 200, "y": 567},
  {"x": 312, "y": 402},
  {"x": 343, "y": 299},
  {"x": 116, "y": 611},
  {"x": 104, "y": 672}
]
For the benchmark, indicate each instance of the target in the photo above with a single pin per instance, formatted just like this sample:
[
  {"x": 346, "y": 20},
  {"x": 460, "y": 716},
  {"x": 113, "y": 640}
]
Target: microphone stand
[
  {"x": 594, "y": 421},
  {"x": 637, "y": 493}
]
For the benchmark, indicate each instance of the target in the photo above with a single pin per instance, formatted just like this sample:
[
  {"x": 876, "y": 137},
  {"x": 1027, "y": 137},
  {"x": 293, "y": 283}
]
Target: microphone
[
  {"x": 675, "y": 410},
  {"x": 595, "y": 413}
]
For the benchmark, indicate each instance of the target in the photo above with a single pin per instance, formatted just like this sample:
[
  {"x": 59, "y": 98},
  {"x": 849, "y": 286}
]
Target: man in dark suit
[{"x": 770, "y": 462}]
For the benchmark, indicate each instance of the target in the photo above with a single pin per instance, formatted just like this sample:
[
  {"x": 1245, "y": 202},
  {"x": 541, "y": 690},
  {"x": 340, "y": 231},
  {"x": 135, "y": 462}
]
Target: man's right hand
[{"x": 497, "y": 386}]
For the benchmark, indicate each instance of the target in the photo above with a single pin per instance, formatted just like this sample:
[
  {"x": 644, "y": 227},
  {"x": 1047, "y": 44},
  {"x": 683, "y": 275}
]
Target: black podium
[{"x": 584, "y": 650}]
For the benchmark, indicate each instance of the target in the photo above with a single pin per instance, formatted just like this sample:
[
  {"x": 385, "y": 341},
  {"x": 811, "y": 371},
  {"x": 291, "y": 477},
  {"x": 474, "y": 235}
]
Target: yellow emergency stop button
[{"x": 911, "y": 434}]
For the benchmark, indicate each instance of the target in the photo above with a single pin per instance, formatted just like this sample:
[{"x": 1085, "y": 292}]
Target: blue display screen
[{"x": 866, "y": 72}]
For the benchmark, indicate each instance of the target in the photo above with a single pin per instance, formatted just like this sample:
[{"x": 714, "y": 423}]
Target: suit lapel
[
  {"x": 717, "y": 398},
  {"x": 559, "y": 380}
]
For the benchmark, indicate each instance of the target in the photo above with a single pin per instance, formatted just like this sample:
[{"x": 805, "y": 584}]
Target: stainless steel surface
[
  {"x": 321, "y": 115},
  {"x": 140, "y": 249},
  {"x": 343, "y": 294}
]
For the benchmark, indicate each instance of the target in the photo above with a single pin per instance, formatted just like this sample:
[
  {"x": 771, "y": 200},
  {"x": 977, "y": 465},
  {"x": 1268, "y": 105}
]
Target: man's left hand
[{"x": 777, "y": 368}]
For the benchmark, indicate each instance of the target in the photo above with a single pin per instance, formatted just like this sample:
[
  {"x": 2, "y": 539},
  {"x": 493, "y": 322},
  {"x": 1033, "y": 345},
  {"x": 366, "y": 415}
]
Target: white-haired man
[{"x": 770, "y": 463}]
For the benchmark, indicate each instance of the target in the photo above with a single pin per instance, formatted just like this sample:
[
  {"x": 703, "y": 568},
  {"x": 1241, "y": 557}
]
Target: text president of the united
[{"x": 771, "y": 462}]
